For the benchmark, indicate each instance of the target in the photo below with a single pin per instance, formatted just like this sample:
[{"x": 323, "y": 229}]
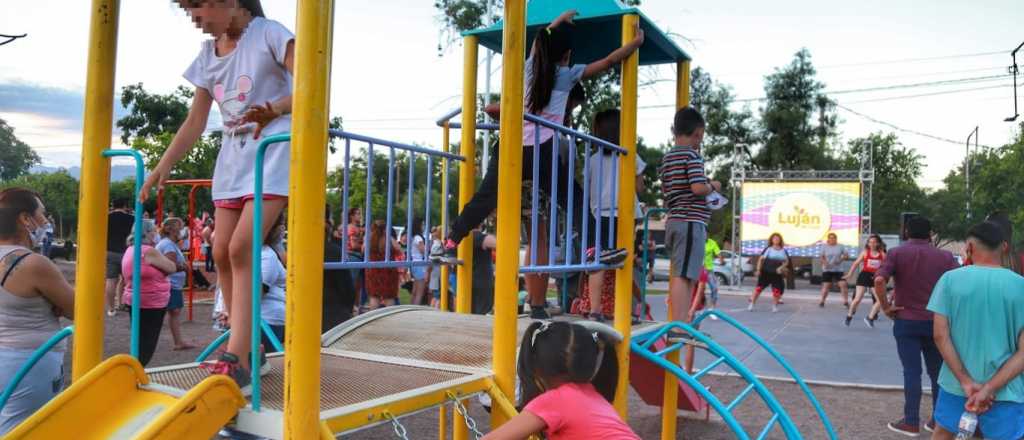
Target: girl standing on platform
[{"x": 247, "y": 69}]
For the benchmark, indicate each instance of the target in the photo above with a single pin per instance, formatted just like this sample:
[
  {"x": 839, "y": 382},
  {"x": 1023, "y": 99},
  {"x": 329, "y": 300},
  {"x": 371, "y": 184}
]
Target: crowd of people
[{"x": 967, "y": 323}]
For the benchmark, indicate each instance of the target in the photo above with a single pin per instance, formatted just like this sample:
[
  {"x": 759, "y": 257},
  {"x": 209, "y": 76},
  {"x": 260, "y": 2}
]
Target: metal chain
[
  {"x": 470, "y": 423},
  {"x": 400, "y": 431}
]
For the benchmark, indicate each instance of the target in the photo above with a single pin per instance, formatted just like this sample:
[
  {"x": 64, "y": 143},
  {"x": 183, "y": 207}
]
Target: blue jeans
[{"x": 914, "y": 339}]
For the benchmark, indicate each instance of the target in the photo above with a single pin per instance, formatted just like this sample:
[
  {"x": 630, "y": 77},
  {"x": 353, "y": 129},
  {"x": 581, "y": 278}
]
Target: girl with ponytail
[
  {"x": 568, "y": 373},
  {"x": 549, "y": 79}
]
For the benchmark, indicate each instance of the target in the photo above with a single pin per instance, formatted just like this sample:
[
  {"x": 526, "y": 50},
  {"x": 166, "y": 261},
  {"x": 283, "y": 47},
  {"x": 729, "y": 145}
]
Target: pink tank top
[{"x": 155, "y": 289}]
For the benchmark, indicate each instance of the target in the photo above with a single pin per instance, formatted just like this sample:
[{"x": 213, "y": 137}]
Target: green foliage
[
  {"x": 59, "y": 192},
  {"x": 797, "y": 121},
  {"x": 152, "y": 114},
  {"x": 896, "y": 169},
  {"x": 16, "y": 157},
  {"x": 400, "y": 188}
]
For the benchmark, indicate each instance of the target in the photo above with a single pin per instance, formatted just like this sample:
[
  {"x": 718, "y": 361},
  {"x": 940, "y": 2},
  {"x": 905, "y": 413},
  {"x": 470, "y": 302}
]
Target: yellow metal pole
[
  {"x": 670, "y": 392},
  {"x": 314, "y": 26},
  {"x": 627, "y": 193},
  {"x": 467, "y": 187},
  {"x": 467, "y": 172},
  {"x": 445, "y": 144},
  {"x": 509, "y": 204},
  {"x": 94, "y": 193}
]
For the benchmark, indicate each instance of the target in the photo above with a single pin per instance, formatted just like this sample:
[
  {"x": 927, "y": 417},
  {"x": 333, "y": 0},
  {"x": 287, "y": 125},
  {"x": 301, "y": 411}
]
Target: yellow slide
[{"x": 113, "y": 402}]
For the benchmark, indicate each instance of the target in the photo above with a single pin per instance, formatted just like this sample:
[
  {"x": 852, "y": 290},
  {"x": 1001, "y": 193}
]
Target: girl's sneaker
[
  {"x": 229, "y": 365},
  {"x": 608, "y": 257}
]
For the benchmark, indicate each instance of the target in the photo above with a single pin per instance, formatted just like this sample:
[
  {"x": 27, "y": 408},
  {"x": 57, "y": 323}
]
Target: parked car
[
  {"x": 745, "y": 263},
  {"x": 727, "y": 274}
]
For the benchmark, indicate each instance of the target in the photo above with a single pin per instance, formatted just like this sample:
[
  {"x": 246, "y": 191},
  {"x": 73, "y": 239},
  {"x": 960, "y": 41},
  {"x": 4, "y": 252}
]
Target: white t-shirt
[
  {"x": 252, "y": 74},
  {"x": 273, "y": 275},
  {"x": 415, "y": 253},
  {"x": 602, "y": 182},
  {"x": 565, "y": 79}
]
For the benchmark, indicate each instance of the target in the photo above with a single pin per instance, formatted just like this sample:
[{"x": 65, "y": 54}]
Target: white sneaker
[
  {"x": 775, "y": 308},
  {"x": 750, "y": 307}
]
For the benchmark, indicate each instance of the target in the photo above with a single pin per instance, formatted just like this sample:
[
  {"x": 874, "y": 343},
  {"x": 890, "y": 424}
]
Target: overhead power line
[
  {"x": 915, "y": 60},
  {"x": 922, "y": 95},
  {"x": 901, "y": 129},
  {"x": 10, "y": 38}
]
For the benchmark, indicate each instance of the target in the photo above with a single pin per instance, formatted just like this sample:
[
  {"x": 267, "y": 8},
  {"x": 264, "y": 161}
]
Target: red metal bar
[
  {"x": 159, "y": 207},
  {"x": 191, "y": 247}
]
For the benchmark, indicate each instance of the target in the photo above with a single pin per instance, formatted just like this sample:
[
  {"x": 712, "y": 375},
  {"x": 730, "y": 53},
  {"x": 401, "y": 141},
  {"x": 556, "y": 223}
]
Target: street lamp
[
  {"x": 1014, "y": 71},
  {"x": 967, "y": 168}
]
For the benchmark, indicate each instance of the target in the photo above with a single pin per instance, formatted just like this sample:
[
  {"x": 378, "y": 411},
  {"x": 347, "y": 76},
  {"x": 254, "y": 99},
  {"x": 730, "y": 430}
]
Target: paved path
[{"x": 813, "y": 340}]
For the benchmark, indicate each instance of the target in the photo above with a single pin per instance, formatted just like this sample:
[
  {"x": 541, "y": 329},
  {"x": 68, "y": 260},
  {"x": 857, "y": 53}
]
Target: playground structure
[{"x": 365, "y": 372}]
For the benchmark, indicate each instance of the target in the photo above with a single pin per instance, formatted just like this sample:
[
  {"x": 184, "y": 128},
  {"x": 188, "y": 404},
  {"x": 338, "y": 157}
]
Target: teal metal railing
[
  {"x": 140, "y": 176},
  {"x": 31, "y": 362}
]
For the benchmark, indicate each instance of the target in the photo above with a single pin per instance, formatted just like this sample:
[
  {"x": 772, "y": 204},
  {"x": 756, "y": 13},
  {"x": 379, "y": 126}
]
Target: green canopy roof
[{"x": 598, "y": 31}]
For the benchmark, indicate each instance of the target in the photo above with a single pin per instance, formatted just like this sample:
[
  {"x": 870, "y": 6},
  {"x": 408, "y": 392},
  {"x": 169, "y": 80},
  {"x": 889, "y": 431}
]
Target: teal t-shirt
[{"x": 985, "y": 309}]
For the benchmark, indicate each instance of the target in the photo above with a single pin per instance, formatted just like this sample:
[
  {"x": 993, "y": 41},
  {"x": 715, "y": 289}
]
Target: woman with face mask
[{"x": 33, "y": 296}]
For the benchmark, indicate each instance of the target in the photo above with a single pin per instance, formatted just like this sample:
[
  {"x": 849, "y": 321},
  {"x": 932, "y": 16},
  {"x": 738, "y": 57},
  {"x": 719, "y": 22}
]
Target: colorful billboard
[{"x": 803, "y": 212}]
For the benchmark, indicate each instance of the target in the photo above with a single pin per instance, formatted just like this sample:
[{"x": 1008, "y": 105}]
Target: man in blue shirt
[{"x": 979, "y": 329}]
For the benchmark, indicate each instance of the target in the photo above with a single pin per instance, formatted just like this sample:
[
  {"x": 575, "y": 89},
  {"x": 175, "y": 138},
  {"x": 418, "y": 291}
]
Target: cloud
[{"x": 63, "y": 105}]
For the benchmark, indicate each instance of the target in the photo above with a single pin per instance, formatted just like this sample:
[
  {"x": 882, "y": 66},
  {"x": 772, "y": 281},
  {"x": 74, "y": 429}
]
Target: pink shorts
[{"x": 239, "y": 202}]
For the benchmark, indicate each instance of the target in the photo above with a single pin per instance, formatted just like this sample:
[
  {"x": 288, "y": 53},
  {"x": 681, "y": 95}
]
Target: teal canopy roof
[{"x": 598, "y": 31}]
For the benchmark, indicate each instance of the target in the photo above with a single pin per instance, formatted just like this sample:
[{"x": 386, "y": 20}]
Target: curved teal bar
[
  {"x": 32, "y": 361},
  {"x": 140, "y": 176},
  {"x": 782, "y": 361}
]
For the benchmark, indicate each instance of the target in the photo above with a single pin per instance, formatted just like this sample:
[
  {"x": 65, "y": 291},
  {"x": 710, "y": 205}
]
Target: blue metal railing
[
  {"x": 641, "y": 346},
  {"x": 140, "y": 176},
  {"x": 31, "y": 363},
  {"x": 778, "y": 358}
]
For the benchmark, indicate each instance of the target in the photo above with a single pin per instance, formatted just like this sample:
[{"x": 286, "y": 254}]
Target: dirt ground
[{"x": 855, "y": 413}]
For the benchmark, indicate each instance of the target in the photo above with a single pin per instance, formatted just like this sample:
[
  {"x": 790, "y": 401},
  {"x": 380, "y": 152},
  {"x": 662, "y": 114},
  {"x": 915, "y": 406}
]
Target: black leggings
[
  {"x": 485, "y": 200},
  {"x": 151, "y": 321}
]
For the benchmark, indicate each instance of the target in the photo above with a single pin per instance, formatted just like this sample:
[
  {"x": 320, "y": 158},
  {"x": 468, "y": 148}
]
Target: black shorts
[
  {"x": 773, "y": 279},
  {"x": 866, "y": 279},
  {"x": 831, "y": 277},
  {"x": 113, "y": 265}
]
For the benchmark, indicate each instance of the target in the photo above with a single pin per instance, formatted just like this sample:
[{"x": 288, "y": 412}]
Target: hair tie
[{"x": 543, "y": 328}]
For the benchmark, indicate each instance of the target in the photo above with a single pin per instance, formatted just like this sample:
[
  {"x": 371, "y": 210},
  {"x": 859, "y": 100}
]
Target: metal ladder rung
[
  {"x": 710, "y": 367},
  {"x": 743, "y": 395},
  {"x": 768, "y": 427}
]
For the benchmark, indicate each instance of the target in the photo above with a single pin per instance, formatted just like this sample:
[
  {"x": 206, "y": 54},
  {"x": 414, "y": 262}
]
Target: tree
[
  {"x": 16, "y": 157},
  {"x": 798, "y": 121},
  {"x": 896, "y": 169},
  {"x": 152, "y": 114}
]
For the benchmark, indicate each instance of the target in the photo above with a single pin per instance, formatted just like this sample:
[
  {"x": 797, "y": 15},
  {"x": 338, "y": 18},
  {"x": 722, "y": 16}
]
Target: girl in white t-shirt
[
  {"x": 549, "y": 78},
  {"x": 247, "y": 69}
]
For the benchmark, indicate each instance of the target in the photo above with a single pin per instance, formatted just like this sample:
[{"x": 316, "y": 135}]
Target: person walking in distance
[
  {"x": 869, "y": 261},
  {"x": 979, "y": 329},
  {"x": 832, "y": 257},
  {"x": 915, "y": 267},
  {"x": 119, "y": 224},
  {"x": 770, "y": 272},
  {"x": 685, "y": 185}
]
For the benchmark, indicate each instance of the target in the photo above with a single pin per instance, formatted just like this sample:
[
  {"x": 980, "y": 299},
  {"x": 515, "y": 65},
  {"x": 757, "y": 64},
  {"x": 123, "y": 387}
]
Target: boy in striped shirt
[{"x": 685, "y": 186}]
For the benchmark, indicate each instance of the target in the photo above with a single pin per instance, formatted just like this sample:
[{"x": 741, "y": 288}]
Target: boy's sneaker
[
  {"x": 870, "y": 322},
  {"x": 902, "y": 427},
  {"x": 930, "y": 426},
  {"x": 449, "y": 253},
  {"x": 848, "y": 319},
  {"x": 539, "y": 312},
  {"x": 608, "y": 257},
  {"x": 229, "y": 365}
]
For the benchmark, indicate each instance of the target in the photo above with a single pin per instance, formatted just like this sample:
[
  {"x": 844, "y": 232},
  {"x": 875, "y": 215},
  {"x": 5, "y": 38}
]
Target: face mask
[{"x": 37, "y": 235}]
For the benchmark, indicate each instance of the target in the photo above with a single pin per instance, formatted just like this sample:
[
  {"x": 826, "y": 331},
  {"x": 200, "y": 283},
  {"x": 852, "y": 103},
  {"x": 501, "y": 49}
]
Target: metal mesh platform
[
  {"x": 346, "y": 380},
  {"x": 430, "y": 335}
]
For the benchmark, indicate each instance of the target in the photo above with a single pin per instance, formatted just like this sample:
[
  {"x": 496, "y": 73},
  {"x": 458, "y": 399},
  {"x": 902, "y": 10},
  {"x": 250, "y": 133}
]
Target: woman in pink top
[
  {"x": 154, "y": 288},
  {"x": 568, "y": 373}
]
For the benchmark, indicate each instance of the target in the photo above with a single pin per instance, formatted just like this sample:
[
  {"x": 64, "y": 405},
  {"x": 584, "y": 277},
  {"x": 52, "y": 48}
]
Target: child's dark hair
[
  {"x": 555, "y": 353},
  {"x": 687, "y": 121},
  {"x": 989, "y": 234},
  {"x": 550, "y": 46},
  {"x": 878, "y": 238},
  {"x": 606, "y": 127},
  {"x": 253, "y": 6}
]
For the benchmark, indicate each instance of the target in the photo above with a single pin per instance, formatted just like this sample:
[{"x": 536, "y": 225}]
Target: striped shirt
[{"x": 680, "y": 168}]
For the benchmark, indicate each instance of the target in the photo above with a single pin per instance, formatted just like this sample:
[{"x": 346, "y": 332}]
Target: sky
[{"x": 389, "y": 80}]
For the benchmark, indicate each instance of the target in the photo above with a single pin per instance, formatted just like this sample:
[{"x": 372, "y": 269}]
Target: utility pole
[
  {"x": 1014, "y": 71},
  {"x": 967, "y": 168}
]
